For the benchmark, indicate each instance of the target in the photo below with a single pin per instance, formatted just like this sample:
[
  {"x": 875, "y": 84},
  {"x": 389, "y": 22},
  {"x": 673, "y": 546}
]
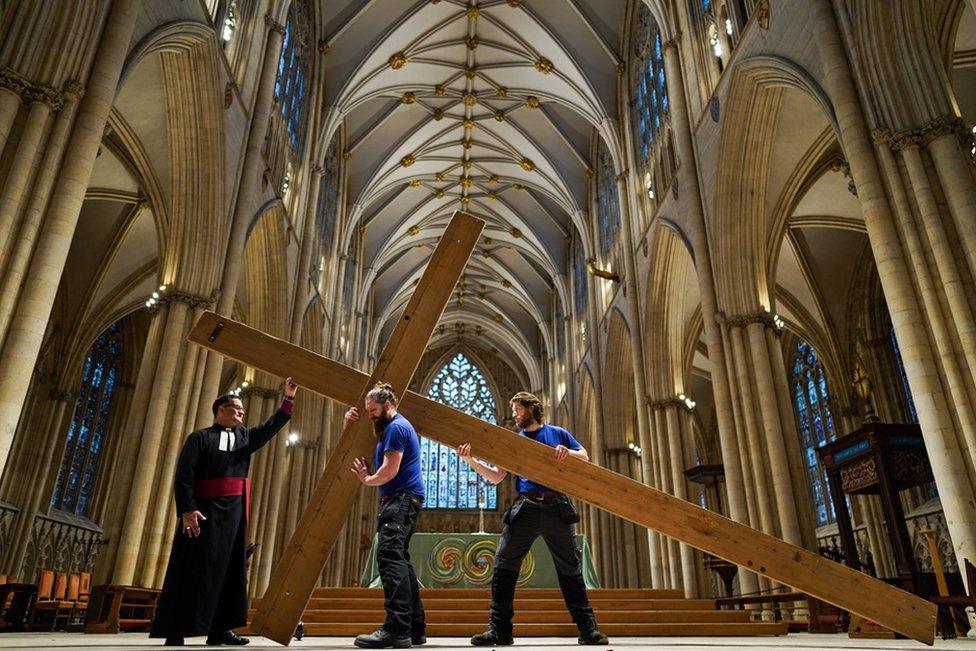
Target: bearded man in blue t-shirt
[
  {"x": 538, "y": 511},
  {"x": 401, "y": 484}
]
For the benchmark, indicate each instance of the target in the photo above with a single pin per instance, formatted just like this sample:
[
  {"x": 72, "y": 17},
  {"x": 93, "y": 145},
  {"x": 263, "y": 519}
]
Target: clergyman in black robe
[{"x": 205, "y": 589}]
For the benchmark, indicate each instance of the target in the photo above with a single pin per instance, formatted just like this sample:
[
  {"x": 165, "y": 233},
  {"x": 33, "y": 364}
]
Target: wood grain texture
[
  {"x": 297, "y": 570},
  {"x": 629, "y": 499}
]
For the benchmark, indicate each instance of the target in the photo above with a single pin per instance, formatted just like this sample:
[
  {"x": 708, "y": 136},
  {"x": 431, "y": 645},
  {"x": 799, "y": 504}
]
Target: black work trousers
[
  {"x": 396, "y": 523},
  {"x": 524, "y": 522}
]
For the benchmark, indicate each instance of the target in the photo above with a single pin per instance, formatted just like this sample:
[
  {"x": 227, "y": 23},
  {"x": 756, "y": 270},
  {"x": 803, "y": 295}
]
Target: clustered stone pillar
[
  {"x": 31, "y": 310},
  {"x": 687, "y": 173},
  {"x": 778, "y": 498},
  {"x": 248, "y": 191},
  {"x": 671, "y": 431},
  {"x": 165, "y": 399},
  {"x": 911, "y": 254}
]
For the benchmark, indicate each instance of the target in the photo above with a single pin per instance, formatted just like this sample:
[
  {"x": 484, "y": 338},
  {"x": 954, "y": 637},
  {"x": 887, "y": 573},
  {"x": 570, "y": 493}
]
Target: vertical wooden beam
[{"x": 298, "y": 569}]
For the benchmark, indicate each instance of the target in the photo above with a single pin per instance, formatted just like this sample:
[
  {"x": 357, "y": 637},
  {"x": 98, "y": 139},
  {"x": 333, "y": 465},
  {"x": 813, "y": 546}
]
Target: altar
[{"x": 454, "y": 560}]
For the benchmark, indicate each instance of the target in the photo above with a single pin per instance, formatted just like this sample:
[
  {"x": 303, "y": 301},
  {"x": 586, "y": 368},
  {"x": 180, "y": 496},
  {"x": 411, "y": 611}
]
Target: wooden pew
[{"x": 117, "y": 608}]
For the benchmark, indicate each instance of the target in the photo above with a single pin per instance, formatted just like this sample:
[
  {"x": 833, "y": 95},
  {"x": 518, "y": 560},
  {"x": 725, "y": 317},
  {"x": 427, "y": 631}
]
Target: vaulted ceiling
[{"x": 485, "y": 106}]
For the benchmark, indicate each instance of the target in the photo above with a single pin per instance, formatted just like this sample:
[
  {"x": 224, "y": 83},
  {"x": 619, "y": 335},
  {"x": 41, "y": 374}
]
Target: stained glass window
[
  {"x": 451, "y": 483},
  {"x": 608, "y": 205},
  {"x": 909, "y": 401},
  {"x": 650, "y": 90},
  {"x": 291, "y": 85},
  {"x": 811, "y": 399},
  {"x": 86, "y": 434},
  {"x": 580, "y": 295},
  {"x": 328, "y": 207}
]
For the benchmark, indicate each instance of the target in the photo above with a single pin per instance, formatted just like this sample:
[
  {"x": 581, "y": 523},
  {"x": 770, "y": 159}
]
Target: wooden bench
[{"x": 117, "y": 608}]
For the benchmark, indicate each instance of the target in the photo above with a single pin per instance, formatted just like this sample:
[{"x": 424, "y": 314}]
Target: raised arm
[
  {"x": 492, "y": 474},
  {"x": 259, "y": 435}
]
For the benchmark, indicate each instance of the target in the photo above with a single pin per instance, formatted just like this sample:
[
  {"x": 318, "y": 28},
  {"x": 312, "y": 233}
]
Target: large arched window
[
  {"x": 328, "y": 208},
  {"x": 650, "y": 93},
  {"x": 811, "y": 398},
  {"x": 451, "y": 483},
  {"x": 608, "y": 205},
  {"x": 291, "y": 86},
  {"x": 86, "y": 434}
]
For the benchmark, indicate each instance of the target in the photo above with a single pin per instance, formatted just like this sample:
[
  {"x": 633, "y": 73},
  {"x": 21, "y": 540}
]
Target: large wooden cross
[{"x": 301, "y": 563}]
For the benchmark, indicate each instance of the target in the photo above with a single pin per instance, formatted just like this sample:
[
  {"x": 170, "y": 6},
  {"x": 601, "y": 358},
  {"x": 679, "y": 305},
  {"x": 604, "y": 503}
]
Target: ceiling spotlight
[
  {"x": 245, "y": 383},
  {"x": 292, "y": 438},
  {"x": 162, "y": 288},
  {"x": 155, "y": 294}
]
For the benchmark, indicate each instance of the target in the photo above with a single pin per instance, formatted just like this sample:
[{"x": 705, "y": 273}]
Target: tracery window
[
  {"x": 651, "y": 103},
  {"x": 86, "y": 434},
  {"x": 608, "y": 205},
  {"x": 580, "y": 294},
  {"x": 291, "y": 85},
  {"x": 451, "y": 483},
  {"x": 328, "y": 208},
  {"x": 811, "y": 399}
]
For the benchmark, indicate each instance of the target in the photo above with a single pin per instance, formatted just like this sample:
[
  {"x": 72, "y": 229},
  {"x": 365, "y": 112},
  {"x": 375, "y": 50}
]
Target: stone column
[
  {"x": 122, "y": 475},
  {"x": 938, "y": 429},
  {"x": 248, "y": 190},
  {"x": 172, "y": 437},
  {"x": 133, "y": 529},
  {"x": 33, "y": 310},
  {"x": 21, "y": 168},
  {"x": 16, "y": 255},
  {"x": 24, "y": 522},
  {"x": 687, "y": 174},
  {"x": 680, "y": 489},
  {"x": 955, "y": 170}
]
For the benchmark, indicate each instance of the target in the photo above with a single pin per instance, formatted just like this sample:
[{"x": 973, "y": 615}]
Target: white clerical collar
[{"x": 227, "y": 440}]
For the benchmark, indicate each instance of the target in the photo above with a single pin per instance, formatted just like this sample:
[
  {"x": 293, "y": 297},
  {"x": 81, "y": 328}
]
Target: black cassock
[{"x": 205, "y": 590}]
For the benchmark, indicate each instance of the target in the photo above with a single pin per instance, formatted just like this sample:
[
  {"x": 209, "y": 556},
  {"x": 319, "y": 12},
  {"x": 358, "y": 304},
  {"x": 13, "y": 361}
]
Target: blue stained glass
[
  {"x": 650, "y": 90},
  {"x": 811, "y": 398},
  {"x": 706, "y": 5},
  {"x": 293, "y": 67},
  {"x": 462, "y": 385},
  {"x": 86, "y": 432}
]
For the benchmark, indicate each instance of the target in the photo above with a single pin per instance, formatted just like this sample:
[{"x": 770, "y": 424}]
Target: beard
[
  {"x": 525, "y": 421},
  {"x": 379, "y": 423}
]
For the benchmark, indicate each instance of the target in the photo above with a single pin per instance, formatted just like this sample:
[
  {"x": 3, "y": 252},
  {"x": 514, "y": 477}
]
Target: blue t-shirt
[
  {"x": 551, "y": 436},
  {"x": 400, "y": 436}
]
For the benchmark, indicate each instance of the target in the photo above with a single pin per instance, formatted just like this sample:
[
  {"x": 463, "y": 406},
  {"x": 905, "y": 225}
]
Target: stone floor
[{"x": 61, "y": 641}]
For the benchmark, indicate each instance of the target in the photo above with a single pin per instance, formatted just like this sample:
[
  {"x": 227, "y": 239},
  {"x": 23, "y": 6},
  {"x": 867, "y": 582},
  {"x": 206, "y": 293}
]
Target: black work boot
[
  {"x": 173, "y": 641},
  {"x": 578, "y": 604},
  {"x": 589, "y": 634},
  {"x": 492, "y": 637},
  {"x": 382, "y": 639}
]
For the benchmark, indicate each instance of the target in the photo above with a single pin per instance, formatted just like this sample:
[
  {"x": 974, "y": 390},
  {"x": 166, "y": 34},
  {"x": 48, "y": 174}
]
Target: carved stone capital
[
  {"x": 664, "y": 403},
  {"x": 30, "y": 92},
  {"x": 742, "y": 320},
  {"x": 672, "y": 42},
  {"x": 273, "y": 25},
  {"x": 317, "y": 169},
  {"x": 945, "y": 125},
  {"x": 74, "y": 89},
  {"x": 191, "y": 300}
]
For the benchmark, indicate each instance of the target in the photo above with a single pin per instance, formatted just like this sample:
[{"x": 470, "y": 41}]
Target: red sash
[{"x": 225, "y": 487}]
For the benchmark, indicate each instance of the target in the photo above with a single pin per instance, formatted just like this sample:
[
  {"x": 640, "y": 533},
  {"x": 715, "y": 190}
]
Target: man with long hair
[
  {"x": 538, "y": 511},
  {"x": 401, "y": 483}
]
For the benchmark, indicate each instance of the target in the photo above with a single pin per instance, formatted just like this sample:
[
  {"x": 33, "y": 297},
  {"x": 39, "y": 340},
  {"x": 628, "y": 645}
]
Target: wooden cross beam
[
  {"x": 705, "y": 530},
  {"x": 294, "y": 576}
]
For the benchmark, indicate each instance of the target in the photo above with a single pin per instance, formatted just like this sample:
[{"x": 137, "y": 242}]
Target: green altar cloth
[{"x": 457, "y": 560}]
